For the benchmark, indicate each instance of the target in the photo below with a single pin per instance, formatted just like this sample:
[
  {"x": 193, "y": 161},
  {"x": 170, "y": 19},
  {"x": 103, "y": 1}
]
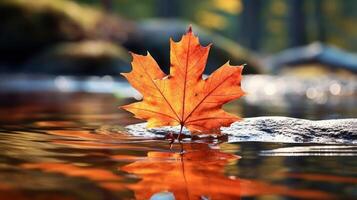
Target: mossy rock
[
  {"x": 28, "y": 27},
  {"x": 81, "y": 58}
]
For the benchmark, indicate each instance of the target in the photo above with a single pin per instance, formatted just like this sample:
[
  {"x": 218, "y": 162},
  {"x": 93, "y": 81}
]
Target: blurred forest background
[
  {"x": 93, "y": 36},
  {"x": 304, "y": 51},
  {"x": 263, "y": 25},
  {"x": 266, "y": 26}
]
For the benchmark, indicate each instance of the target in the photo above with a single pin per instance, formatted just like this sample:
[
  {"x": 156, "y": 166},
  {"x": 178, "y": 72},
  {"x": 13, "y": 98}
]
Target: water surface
[{"x": 57, "y": 146}]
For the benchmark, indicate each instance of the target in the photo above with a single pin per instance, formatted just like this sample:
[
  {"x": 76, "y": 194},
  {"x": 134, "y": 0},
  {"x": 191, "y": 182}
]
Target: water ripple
[{"x": 327, "y": 150}]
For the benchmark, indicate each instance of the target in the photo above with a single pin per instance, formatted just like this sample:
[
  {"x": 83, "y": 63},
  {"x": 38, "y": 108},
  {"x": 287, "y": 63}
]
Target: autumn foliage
[{"x": 184, "y": 97}]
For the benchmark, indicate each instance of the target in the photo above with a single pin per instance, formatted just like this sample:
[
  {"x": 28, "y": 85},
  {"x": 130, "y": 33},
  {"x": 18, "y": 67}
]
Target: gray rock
[
  {"x": 329, "y": 56},
  {"x": 163, "y": 196},
  {"x": 274, "y": 129}
]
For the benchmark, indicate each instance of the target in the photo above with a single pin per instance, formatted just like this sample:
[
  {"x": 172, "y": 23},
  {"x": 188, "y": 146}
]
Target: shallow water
[{"x": 57, "y": 146}]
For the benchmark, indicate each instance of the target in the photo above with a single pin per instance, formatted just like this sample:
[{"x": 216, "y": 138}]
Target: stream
[{"x": 79, "y": 145}]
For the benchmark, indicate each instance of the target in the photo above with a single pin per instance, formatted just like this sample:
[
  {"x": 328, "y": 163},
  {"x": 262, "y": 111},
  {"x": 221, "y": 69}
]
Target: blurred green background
[
  {"x": 267, "y": 26},
  {"x": 93, "y": 37},
  {"x": 301, "y": 52}
]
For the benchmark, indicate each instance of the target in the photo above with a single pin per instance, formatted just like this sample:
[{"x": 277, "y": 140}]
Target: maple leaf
[{"x": 184, "y": 98}]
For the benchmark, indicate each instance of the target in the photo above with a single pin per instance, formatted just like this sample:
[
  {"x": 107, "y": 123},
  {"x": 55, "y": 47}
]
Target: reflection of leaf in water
[
  {"x": 85, "y": 135},
  {"x": 10, "y": 192},
  {"x": 102, "y": 177},
  {"x": 322, "y": 177},
  {"x": 55, "y": 124},
  {"x": 87, "y": 140},
  {"x": 199, "y": 173}
]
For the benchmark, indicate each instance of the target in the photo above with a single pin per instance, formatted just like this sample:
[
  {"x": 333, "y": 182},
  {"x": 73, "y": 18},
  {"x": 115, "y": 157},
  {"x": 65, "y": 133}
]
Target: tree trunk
[
  {"x": 320, "y": 29},
  {"x": 250, "y": 24},
  {"x": 168, "y": 8},
  {"x": 107, "y": 5},
  {"x": 296, "y": 26}
]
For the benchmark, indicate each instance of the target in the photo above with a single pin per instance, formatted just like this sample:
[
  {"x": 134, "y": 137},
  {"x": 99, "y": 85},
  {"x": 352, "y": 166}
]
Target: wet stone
[{"x": 272, "y": 129}]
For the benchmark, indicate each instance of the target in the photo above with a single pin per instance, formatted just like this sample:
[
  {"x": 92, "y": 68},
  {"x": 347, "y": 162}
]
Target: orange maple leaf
[{"x": 184, "y": 98}]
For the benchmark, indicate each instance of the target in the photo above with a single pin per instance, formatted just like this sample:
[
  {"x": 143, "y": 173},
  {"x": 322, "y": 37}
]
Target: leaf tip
[
  {"x": 189, "y": 30},
  {"x": 131, "y": 53},
  {"x": 122, "y": 107}
]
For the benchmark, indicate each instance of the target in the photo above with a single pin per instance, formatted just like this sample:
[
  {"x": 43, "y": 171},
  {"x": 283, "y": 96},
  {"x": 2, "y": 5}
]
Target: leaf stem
[{"x": 179, "y": 137}]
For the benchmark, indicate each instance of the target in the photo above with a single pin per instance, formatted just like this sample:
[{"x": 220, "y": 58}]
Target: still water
[{"x": 56, "y": 146}]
